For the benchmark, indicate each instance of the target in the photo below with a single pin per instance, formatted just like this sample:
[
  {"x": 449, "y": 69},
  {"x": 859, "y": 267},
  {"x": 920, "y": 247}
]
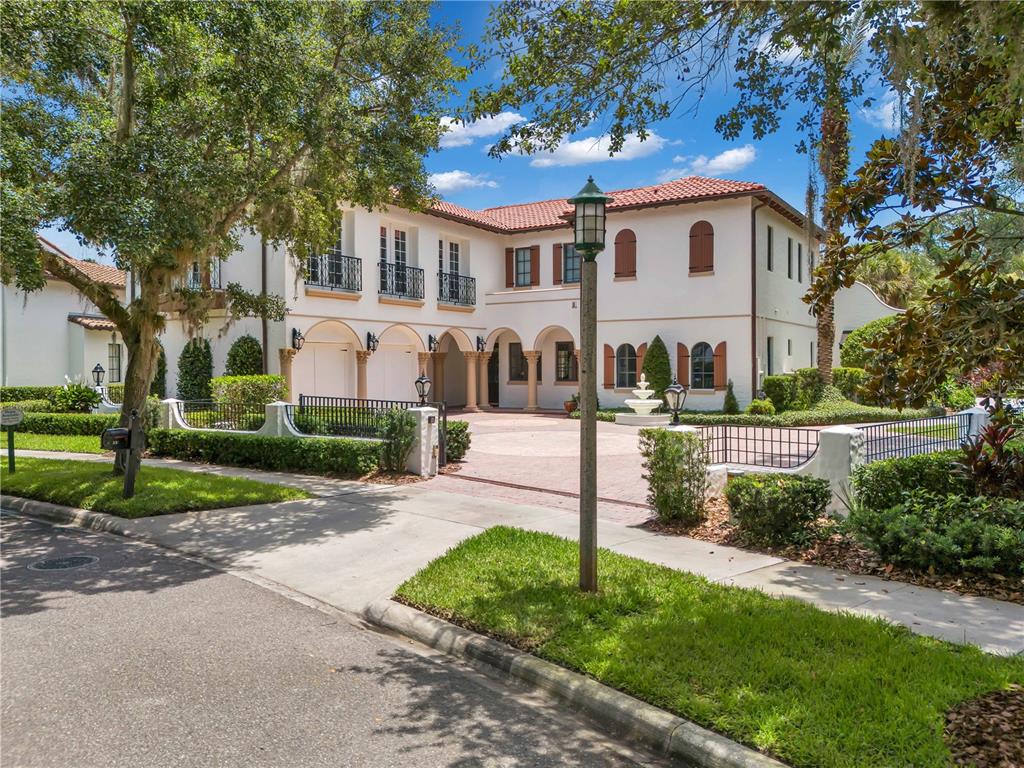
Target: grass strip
[{"x": 70, "y": 443}]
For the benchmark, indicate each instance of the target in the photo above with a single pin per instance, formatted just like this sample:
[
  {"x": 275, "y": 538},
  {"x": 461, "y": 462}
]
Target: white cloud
[
  {"x": 729, "y": 161},
  {"x": 884, "y": 113},
  {"x": 454, "y": 181},
  {"x": 462, "y": 135},
  {"x": 595, "y": 150}
]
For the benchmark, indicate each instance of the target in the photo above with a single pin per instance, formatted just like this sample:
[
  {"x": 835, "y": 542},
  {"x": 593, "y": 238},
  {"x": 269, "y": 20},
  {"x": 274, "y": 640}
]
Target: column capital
[
  {"x": 531, "y": 354},
  {"x": 362, "y": 355},
  {"x": 439, "y": 356},
  {"x": 286, "y": 353}
]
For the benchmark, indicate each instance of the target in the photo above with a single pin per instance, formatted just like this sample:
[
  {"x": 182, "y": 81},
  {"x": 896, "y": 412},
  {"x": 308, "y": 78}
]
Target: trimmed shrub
[
  {"x": 67, "y": 423},
  {"x": 954, "y": 396},
  {"x": 780, "y": 389},
  {"x": 456, "y": 440},
  {"x": 319, "y": 456},
  {"x": 849, "y": 381},
  {"x": 775, "y": 508},
  {"x": 945, "y": 533},
  {"x": 676, "y": 471},
  {"x": 731, "y": 404},
  {"x": 245, "y": 357},
  {"x": 657, "y": 367},
  {"x": 195, "y": 369},
  {"x": 13, "y": 394},
  {"x": 29, "y": 406},
  {"x": 882, "y": 484},
  {"x": 245, "y": 390},
  {"x": 761, "y": 408},
  {"x": 808, "y": 389},
  {"x": 74, "y": 397},
  {"x": 158, "y": 387},
  {"x": 398, "y": 432},
  {"x": 854, "y": 351}
]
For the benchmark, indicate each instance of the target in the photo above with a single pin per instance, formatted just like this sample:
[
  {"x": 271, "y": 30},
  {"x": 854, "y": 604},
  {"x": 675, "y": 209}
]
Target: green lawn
[
  {"x": 158, "y": 491},
  {"x": 945, "y": 431},
  {"x": 72, "y": 443},
  {"x": 813, "y": 688}
]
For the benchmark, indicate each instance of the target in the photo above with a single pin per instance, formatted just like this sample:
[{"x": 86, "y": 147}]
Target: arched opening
[
  {"x": 625, "y": 366},
  {"x": 450, "y": 368},
  {"x": 702, "y": 367},
  {"x": 326, "y": 364},
  {"x": 557, "y": 367},
  {"x": 393, "y": 368},
  {"x": 504, "y": 391}
]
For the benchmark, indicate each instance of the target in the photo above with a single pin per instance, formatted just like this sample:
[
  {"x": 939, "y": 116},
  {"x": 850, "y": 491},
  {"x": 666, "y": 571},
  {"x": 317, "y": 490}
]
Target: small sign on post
[{"x": 11, "y": 417}]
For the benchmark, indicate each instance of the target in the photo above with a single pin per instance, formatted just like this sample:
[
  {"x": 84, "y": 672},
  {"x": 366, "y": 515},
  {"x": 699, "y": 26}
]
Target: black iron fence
[
  {"x": 401, "y": 281},
  {"x": 777, "y": 447},
  {"x": 909, "y": 438},
  {"x": 354, "y": 417},
  {"x": 115, "y": 393},
  {"x": 334, "y": 271},
  {"x": 456, "y": 289},
  {"x": 206, "y": 414}
]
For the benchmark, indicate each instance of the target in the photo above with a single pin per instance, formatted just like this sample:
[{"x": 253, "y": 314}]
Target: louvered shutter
[
  {"x": 510, "y": 267},
  {"x": 721, "y": 376},
  {"x": 625, "y": 254},
  {"x": 640, "y": 352},
  {"x": 534, "y": 265},
  {"x": 556, "y": 263},
  {"x": 683, "y": 364},
  {"x": 609, "y": 367},
  {"x": 702, "y": 247}
]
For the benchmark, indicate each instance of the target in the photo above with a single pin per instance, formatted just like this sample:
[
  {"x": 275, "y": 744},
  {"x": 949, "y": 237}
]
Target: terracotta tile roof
[
  {"x": 101, "y": 273},
  {"x": 550, "y": 214},
  {"x": 92, "y": 322}
]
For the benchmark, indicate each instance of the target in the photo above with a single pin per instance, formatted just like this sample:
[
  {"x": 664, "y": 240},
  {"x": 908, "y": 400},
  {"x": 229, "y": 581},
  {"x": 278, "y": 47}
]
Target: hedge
[
  {"x": 29, "y": 406},
  {"x": 773, "y": 508},
  {"x": 310, "y": 455},
  {"x": 854, "y": 352},
  {"x": 247, "y": 390},
  {"x": 883, "y": 484},
  {"x": 847, "y": 413},
  {"x": 849, "y": 381},
  {"x": 11, "y": 394},
  {"x": 456, "y": 439},
  {"x": 67, "y": 423}
]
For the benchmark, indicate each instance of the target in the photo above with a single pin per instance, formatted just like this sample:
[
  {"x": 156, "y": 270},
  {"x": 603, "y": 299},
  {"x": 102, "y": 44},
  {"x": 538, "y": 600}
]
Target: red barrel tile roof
[{"x": 101, "y": 273}]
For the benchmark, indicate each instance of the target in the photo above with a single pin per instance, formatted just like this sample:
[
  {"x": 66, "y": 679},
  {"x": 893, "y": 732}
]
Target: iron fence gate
[{"x": 776, "y": 447}]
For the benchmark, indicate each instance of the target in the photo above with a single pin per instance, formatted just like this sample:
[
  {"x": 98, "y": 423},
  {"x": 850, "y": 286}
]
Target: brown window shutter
[
  {"x": 682, "y": 364},
  {"x": 556, "y": 263},
  {"x": 534, "y": 265},
  {"x": 640, "y": 352},
  {"x": 720, "y": 372},
  {"x": 702, "y": 247},
  {"x": 609, "y": 367},
  {"x": 625, "y": 254},
  {"x": 510, "y": 267}
]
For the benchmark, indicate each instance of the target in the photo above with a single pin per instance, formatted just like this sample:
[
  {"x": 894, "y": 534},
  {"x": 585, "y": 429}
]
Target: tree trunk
[{"x": 140, "y": 338}]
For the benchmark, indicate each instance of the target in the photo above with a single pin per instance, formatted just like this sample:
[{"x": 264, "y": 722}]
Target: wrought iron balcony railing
[
  {"x": 456, "y": 289},
  {"x": 401, "y": 281},
  {"x": 335, "y": 272}
]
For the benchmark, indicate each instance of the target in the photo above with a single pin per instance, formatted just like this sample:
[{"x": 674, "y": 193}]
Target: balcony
[
  {"x": 401, "y": 281},
  {"x": 334, "y": 272},
  {"x": 456, "y": 289}
]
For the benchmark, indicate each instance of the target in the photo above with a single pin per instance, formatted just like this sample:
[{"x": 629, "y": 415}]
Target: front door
[{"x": 492, "y": 378}]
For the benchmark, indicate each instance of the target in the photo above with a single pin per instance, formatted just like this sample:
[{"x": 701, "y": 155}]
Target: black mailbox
[{"x": 116, "y": 439}]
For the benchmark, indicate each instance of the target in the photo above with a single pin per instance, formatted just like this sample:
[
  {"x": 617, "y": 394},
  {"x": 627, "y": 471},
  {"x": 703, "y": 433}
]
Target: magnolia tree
[{"x": 159, "y": 131}]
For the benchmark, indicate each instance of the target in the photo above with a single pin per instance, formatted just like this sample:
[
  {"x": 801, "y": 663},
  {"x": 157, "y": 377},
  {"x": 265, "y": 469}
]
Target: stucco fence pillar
[
  {"x": 840, "y": 451},
  {"x": 423, "y": 458},
  {"x": 718, "y": 474},
  {"x": 105, "y": 405}
]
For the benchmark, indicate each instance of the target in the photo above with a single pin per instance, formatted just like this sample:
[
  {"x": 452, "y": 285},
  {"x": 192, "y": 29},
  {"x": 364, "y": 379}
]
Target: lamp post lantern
[
  {"x": 589, "y": 230},
  {"x": 423, "y": 387},
  {"x": 298, "y": 340},
  {"x": 675, "y": 399},
  {"x": 97, "y": 374}
]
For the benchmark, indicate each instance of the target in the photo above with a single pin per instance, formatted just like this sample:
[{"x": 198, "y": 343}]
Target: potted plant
[{"x": 572, "y": 403}]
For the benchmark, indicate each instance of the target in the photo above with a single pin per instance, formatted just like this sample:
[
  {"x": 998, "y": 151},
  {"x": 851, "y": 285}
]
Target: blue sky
[{"x": 464, "y": 174}]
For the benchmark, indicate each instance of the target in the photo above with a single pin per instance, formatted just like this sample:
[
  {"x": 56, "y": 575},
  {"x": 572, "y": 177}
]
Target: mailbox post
[{"x": 130, "y": 439}]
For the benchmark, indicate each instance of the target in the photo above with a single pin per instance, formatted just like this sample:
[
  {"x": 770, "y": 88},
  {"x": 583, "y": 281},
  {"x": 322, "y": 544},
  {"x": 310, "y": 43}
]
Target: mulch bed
[
  {"x": 988, "y": 732},
  {"x": 836, "y": 550}
]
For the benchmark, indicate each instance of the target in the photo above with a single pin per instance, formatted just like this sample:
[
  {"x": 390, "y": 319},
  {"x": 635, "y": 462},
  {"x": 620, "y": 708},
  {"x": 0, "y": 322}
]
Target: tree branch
[{"x": 101, "y": 295}]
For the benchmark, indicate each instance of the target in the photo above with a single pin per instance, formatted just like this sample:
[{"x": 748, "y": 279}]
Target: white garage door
[
  {"x": 325, "y": 369},
  {"x": 395, "y": 365}
]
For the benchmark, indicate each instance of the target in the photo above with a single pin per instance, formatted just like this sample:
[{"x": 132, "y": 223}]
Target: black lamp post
[
  {"x": 97, "y": 374},
  {"x": 423, "y": 387},
  {"x": 675, "y": 399},
  {"x": 589, "y": 227},
  {"x": 297, "y": 339}
]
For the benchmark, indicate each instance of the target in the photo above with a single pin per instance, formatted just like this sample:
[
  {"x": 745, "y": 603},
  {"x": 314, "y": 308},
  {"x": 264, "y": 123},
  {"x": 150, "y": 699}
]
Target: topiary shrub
[
  {"x": 761, "y": 408},
  {"x": 73, "y": 397},
  {"x": 774, "y": 508},
  {"x": 780, "y": 389},
  {"x": 849, "y": 381},
  {"x": 945, "y": 533},
  {"x": 398, "y": 433},
  {"x": 882, "y": 484},
  {"x": 854, "y": 352},
  {"x": 158, "y": 387},
  {"x": 195, "y": 369},
  {"x": 245, "y": 357},
  {"x": 731, "y": 404},
  {"x": 657, "y": 367},
  {"x": 248, "y": 390},
  {"x": 676, "y": 471},
  {"x": 456, "y": 440},
  {"x": 807, "y": 389}
]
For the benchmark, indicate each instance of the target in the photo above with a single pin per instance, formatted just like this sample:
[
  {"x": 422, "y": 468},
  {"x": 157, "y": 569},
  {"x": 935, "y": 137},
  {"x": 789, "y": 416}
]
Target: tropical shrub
[
  {"x": 761, "y": 408},
  {"x": 195, "y": 369},
  {"x": 248, "y": 390},
  {"x": 808, "y": 388},
  {"x": 731, "y": 404},
  {"x": 956, "y": 397},
  {"x": 993, "y": 461},
  {"x": 945, "y": 533},
  {"x": 780, "y": 389},
  {"x": 676, "y": 471},
  {"x": 773, "y": 508},
  {"x": 73, "y": 397},
  {"x": 456, "y": 440},
  {"x": 657, "y": 366},
  {"x": 398, "y": 434},
  {"x": 854, "y": 351},
  {"x": 158, "y": 387},
  {"x": 882, "y": 484},
  {"x": 848, "y": 381},
  {"x": 245, "y": 357}
]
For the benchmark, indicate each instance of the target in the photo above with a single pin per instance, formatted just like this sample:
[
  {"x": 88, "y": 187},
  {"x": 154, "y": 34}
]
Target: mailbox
[{"x": 116, "y": 439}]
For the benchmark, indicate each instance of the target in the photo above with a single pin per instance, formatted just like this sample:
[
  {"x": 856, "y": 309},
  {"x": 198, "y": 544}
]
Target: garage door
[
  {"x": 395, "y": 365},
  {"x": 324, "y": 369}
]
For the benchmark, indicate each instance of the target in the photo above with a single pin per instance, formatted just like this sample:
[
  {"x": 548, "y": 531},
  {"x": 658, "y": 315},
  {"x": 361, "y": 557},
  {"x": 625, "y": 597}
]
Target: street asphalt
[{"x": 145, "y": 658}]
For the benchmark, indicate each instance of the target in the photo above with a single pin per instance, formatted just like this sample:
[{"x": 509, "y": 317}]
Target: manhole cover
[{"x": 63, "y": 563}]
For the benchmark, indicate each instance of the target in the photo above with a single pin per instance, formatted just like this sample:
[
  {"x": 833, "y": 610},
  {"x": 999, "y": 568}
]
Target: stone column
[
  {"x": 423, "y": 457},
  {"x": 286, "y": 355},
  {"x": 532, "y": 356},
  {"x": 471, "y": 368},
  {"x": 437, "y": 388},
  {"x": 482, "y": 395},
  {"x": 423, "y": 358},
  {"x": 362, "y": 355}
]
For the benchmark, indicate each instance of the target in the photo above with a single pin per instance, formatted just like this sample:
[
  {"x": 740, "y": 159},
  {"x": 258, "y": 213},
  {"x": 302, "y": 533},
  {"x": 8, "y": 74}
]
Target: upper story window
[
  {"x": 625, "y": 254},
  {"x": 771, "y": 248},
  {"x": 799, "y": 262},
  {"x": 440, "y": 255},
  {"x": 566, "y": 368},
  {"x": 448, "y": 257},
  {"x": 570, "y": 264},
  {"x": 195, "y": 277},
  {"x": 453, "y": 258},
  {"x": 789, "y": 258},
  {"x": 702, "y": 367},
  {"x": 401, "y": 255},
  {"x": 702, "y": 248},
  {"x": 625, "y": 366},
  {"x": 383, "y": 244},
  {"x": 524, "y": 272}
]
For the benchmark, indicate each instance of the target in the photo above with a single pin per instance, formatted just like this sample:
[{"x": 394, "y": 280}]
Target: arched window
[
  {"x": 625, "y": 366},
  {"x": 702, "y": 367},
  {"x": 625, "y": 253},
  {"x": 702, "y": 248}
]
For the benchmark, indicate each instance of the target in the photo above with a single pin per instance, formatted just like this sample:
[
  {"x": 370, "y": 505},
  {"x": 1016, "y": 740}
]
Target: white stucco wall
[{"x": 857, "y": 306}]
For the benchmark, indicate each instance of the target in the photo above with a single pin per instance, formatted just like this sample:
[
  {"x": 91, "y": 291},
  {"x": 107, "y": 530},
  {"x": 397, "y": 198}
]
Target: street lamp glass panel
[
  {"x": 423, "y": 387},
  {"x": 97, "y": 374},
  {"x": 589, "y": 223},
  {"x": 674, "y": 396}
]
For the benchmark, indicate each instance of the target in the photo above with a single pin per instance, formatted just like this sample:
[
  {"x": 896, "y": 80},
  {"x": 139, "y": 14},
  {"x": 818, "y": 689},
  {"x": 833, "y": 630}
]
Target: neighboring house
[
  {"x": 54, "y": 332},
  {"x": 487, "y": 302}
]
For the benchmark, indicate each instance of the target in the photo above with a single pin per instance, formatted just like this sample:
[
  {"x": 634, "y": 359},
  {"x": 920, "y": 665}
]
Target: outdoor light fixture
[
  {"x": 372, "y": 342},
  {"x": 675, "y": 399},
  {"x": 432, "y": 343},
  {"x": 297, "y": 339},
  {"x": 590, "y": 205},
  {"x": 97, "y": 374},
  {"x": 423, "y": 387},
  {"x": 481, "y": 344}
]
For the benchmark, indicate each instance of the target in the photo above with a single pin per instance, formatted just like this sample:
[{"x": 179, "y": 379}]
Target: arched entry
[
  {"x": 506, "y": 388},
  {"x": 558, "y": 366},
  {"x": 453, "y": 360},
  {"x": 326, "y": 364},
  {"x": 393, "y": 368}
]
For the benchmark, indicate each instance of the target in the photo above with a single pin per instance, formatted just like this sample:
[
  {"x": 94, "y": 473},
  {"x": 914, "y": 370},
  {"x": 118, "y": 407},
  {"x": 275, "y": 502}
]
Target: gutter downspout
[
  {"x": 753, "y": 299},
  {"x": 263, "y": 289}
]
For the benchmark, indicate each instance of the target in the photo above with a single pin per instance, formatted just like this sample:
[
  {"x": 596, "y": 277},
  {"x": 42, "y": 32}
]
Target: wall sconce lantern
[
  {"x": 372, "y": 342},
  {"x": 97, "y": 374},
  {"x": 423, "y": 388},
  {"x": 433, "y": 343},
  {"x": 297, "y": 339},
  {"x": 481, "y": 344}
]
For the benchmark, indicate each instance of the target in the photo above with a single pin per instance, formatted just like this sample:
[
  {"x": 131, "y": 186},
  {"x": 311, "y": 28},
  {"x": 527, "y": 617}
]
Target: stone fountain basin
[{"x": 644, "y": 407}]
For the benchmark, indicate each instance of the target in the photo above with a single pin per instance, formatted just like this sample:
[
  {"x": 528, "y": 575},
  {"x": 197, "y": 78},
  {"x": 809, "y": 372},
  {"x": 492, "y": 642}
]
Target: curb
[
  {"x": 618, "y": 712},
  {"x": 83, "y": 518}
]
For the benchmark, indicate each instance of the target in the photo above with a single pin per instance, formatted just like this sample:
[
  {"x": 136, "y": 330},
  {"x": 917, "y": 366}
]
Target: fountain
[{"x": 642, "y": 406}]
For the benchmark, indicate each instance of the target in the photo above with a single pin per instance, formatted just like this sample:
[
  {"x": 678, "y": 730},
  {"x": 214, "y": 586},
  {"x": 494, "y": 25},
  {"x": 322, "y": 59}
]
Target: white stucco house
[{"x": 487, "y": 301}]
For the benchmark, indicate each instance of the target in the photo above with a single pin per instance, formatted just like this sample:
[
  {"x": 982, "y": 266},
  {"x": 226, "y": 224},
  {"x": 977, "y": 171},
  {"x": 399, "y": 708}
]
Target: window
[
  {"x": 400, "y": 252},
  {"x": 799, "y": 262},
  {"x": 440, "y": 255},
  {"x": 195, "y": 278},
  {"x": 453, "y": 258},
  {"x": 702, "y": 367},
  {"x": 625, "y": 366},
  {"x": 789, "y": 347},
  {"x": 523, "y": 272},
  {"x": 383, "y": 244},
  {"x": 114, "y": 362},
  {"x": 771, "y": 249},
  {"x": 789, "y": 258},
  {"x": 570, "y": 264},
  {"x": 518, "y": 366},
  {"x": 565, "y": 362},
  {"x": 771, "y": 354},
  {"x": 702, "y": 248},
  {"x": 625, "y": 254}
]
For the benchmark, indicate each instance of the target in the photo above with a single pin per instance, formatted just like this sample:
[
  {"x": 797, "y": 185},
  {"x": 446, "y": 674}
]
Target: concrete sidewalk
[{"x": 357, "y": 542}]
